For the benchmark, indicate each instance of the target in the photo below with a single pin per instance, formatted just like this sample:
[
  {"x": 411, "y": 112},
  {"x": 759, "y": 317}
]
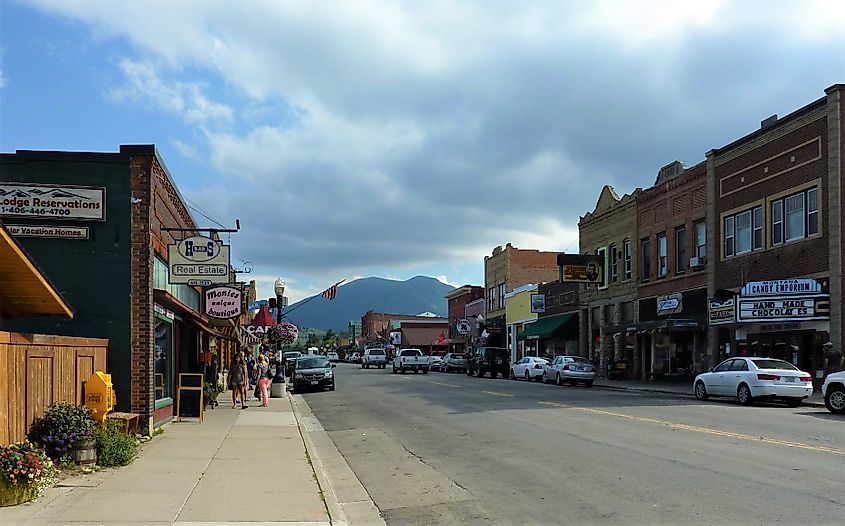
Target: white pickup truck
[
  {"x": 375, "y": 357},
  {"x": 411, "y": 360}
]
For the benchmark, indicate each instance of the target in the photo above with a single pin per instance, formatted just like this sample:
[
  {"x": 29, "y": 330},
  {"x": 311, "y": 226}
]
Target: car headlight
[
  {"x": 298, "y": 375},
  {"x": 329, "y": 373}
]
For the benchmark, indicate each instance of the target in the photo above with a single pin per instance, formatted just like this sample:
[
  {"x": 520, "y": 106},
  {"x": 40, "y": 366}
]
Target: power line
[{"x": 197, "y": 209}]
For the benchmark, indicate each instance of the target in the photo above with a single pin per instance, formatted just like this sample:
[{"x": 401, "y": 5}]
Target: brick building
[
  {"x": 775, "y": 214},
  {"x": 505, "y": 270},
  {"x": 608, "y": 311},
  {"x": 376, "y": 326},
  {"x": 556, "y": 329},
  {"x": 111, "y": 264},
  {"x": 672, "y": 295},
  {"x": 457, "y": 302}
]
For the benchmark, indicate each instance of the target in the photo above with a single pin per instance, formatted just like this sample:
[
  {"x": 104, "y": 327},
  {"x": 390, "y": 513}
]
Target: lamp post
[{"x": 279, "y": 289}]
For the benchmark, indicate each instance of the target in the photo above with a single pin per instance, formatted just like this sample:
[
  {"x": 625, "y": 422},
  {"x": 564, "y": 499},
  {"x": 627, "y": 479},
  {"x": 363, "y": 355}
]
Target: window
[
  {"x": 184, "y": 293},
  {"x": 491, "y": 299},
  {"x": 796, "y": 216},
  {"x": 680, "y": 250},
  {"x": 550, "y": 301},
  {"x": 700, "y": 240},
  {"x": 646, "y": 258},
  {"x": 163, "y": 359},
  {"x": 627, "y": 312},
  {"x": 501, "y": 295},
  {"x": 614, "y": 264},
  {"x": 602, "y": 253},
  {"x": 662, "y": 260},
  {"x": 744, "y": 232},
  {"x": 627, "y": 254}
]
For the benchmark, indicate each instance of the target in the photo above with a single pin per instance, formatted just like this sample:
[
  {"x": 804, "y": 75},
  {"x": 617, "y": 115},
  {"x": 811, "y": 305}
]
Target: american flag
[{"x": 330, "y": 292}]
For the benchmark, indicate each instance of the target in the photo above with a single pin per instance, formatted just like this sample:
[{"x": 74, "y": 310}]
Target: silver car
[
  {"x": 571, "y": 369},
  {"x": 454, "y": 362}
]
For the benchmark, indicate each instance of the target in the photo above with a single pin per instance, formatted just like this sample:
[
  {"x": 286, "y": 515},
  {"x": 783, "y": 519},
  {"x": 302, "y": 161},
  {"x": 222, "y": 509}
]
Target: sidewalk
[
  {"x": 677, "y": 388},
  {"x": 238, "y": 466}
]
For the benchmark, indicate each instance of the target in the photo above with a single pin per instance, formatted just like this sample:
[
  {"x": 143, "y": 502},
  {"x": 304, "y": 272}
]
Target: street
[{"x": 447, "y": 449}]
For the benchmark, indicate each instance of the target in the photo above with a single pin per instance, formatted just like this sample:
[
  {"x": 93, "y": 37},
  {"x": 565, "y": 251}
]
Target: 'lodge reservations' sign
[{"x": 82, "y": 203}]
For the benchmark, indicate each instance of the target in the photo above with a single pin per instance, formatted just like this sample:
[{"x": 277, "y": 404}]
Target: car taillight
[
  {"x": 538, "y": 366},
  {"x": 566, "y": 367},
  {"x": 763, "y": 376},
  {"x": 806, "y": 378}
]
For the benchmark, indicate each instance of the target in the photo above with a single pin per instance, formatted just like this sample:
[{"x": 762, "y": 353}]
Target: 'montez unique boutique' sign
[
  {"x": 782, "y": 301},
  {"x": 198, "y": 260},
  {"x": 223, "y": 303}
]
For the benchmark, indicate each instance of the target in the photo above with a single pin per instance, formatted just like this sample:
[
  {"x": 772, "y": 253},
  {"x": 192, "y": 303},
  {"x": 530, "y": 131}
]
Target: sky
[{"x": 395, "y": 139}]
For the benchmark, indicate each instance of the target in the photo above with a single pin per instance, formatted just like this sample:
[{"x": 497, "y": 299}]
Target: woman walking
[
  {"x": 237, "y": 378},
  {"x": 263, "y": 380}
]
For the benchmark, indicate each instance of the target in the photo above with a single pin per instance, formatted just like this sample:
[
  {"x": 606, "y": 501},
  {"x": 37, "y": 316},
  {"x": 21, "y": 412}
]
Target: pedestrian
[
  {"x": 237, "y": 378},
  {"x": 264, "y": 379},
  {"x": 834, "y": 361}
]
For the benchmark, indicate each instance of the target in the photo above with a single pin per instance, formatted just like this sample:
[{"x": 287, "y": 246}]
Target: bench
[{"x": 129, "y": 421}]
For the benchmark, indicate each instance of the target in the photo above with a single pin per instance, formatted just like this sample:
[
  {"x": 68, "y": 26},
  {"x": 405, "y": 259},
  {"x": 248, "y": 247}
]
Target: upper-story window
[
  {"x": 491, "y": 299},
  {"x": 627, "y": 254},
  {"x": 795, "y": 216},
  {"x": 501, "y": 295},
  {"x": 645, "y": 244},
  {"x": 700, "y": 240},
  {"x": 614, "y": 263},
  {"x": 743, "y": 232},
  {"x": 602, "y": 253},
  {"x": 662, "y": 258}
]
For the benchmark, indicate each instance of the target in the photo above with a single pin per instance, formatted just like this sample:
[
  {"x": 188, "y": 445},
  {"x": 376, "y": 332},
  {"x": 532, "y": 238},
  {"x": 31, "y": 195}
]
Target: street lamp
[{"x": 279, "y": 289}]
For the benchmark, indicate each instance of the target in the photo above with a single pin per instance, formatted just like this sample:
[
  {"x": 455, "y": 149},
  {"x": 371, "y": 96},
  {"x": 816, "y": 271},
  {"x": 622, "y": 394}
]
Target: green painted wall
[{"x": 92, "y": 275}]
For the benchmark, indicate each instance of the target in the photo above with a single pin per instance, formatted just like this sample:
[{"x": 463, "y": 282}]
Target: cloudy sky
[{"x": 357, "y": 138}]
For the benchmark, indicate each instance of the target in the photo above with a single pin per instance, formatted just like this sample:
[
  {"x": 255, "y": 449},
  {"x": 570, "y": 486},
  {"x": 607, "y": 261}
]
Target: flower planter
[
  {"x": 14, "y": 494},
  {"x": 85, "y": 452}
]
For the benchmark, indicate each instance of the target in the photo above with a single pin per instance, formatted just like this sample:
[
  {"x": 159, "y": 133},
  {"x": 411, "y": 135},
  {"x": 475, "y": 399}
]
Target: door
[
  {"x": 717, "y": 380},
  {"x": 519, "y": 368},
  {"x": 738, "y": 374}
]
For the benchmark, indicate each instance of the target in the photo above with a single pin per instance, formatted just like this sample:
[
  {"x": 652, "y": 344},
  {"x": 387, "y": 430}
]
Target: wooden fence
[{"x": 37, "y": 370}]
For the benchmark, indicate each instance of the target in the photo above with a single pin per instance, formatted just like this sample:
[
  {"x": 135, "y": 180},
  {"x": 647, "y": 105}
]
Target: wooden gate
[{"x": 37, "y": 370}]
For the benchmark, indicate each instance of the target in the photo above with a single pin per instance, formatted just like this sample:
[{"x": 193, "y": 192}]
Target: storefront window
[
  {"x": 183, "y": 293},
  {"x": 163, "y": 359}
]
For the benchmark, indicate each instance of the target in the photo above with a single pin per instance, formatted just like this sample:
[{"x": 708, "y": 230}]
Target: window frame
[
  {"x": 502, "y": 295},
  {"x": 628, "y": 258},
  {"x": 733, "y": 235},
  {"x": 613, "y": 253},
  {"x": 662, "y": 258},
  {"x": 645, "y": 263},
  {"x": 700, "y": 244},
  {"x": 810, "y": 214},
  {"x": 680, "y": 249},
  {"x": 802, "y": 212}
]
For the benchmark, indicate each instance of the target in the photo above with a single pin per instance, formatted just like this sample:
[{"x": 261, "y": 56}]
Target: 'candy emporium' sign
[
  {"x": 82, "y": 203},
  {"x": 223, "y": 303},
  {"x": 198, "y": 260},
  {"x": 782, "y": 301}
]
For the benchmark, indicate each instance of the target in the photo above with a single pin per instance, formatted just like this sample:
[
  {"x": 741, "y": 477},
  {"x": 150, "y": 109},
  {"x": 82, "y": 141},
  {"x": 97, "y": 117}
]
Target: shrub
[
  {"x": 62, "y": 427},
  {"x": 114, "y": 447},
  {"x": 26, "y": 466}
]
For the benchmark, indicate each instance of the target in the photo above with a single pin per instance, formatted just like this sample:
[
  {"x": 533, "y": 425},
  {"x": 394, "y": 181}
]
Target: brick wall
[
  {"x": 530, "y": 266},
  {"x": 836, "y": 189}
]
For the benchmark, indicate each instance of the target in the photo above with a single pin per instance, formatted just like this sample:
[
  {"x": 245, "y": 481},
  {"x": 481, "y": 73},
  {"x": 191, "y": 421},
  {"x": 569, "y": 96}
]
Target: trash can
[
  {"x": 99, "y": 395},
  {"x": 277, "y": 390}
]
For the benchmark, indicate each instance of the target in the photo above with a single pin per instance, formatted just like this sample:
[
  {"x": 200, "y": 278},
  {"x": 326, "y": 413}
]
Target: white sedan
[
  {"x": 529, "y": 368},
  {"x": 754, "y": 378}
]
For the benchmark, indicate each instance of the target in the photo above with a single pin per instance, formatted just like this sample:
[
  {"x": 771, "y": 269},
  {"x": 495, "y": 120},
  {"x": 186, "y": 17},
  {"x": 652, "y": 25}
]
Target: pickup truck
[
  {"x": 374, "y": 356},
  {"x": 411, "y": 360}
]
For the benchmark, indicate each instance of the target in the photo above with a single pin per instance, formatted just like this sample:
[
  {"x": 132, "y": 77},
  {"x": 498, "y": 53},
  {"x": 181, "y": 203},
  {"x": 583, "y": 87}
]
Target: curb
[
  {"x": 365, "y": 510},
  {"x": 676, "y": 393}
]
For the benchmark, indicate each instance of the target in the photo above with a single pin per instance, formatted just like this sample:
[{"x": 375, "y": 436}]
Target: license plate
[
  {"x": 314, "y": 382},
  {"x": 789, "y": 379}
]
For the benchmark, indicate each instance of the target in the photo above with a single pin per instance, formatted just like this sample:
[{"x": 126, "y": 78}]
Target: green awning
[{"x": 544, "y": 328}]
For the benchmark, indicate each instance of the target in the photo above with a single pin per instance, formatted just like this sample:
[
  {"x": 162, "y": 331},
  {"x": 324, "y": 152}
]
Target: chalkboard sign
[{"x": 189, "y": 402}]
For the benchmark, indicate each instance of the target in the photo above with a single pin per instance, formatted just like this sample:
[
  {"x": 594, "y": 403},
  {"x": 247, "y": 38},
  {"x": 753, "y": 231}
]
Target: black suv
[{"x": 495, "y": 360}]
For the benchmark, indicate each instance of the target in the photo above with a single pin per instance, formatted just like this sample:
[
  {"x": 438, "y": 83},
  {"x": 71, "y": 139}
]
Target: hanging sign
[
  {"x": 538, "y": 303},
  {"x": 670, "y": 304},
  {"x": 463, "y": 327},
  {"x": 781, "y": 287},
  {"x": 55, "y": 232},
  {"x": 783, "y": 309},
  {"x": 81, "y": 203},
  {"x": 223, "y": 303},
  {"x": 396, "y": 338},
  {"x": 575, "y": 268},
  {"x": 198, "y": 260},
  {"x": 720, "y": 312}
]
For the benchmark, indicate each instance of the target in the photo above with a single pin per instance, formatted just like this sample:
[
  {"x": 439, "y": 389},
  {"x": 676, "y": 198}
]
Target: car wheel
[
  {"x": 793, "y": 402},
  {"x": 425, "y": 371},
  {"x": 394, "y": 369},
  {"x": 573, "y": 383},
  {"x": 557, "y": 379},
  {"x": 541, "y": 378},
  {"x": 401, "y": 370},
  {"x": 468, "y": 372},
  {"x": 743, "y": 394},
  {"x": 416, "y": 371},
  {"x": 527, "y": 377},
  {"x": 835, "y": 399},
  {"x": 511, "y": 375},
  {"x": 588, "y": 383},
  {"x": 701, "y": 391},
  {"x": 331, "y": 388}
]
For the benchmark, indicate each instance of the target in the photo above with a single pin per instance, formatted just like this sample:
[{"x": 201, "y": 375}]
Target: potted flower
[
  {"x": 210, "y": 392},
  {"x": 66, "y": 430},
  {"x": 25, "y": 471}
]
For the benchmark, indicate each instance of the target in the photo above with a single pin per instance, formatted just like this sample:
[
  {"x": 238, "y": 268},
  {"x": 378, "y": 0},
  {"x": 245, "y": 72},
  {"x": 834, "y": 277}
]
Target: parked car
[
  {"x": 374, "y": 356},
  {"x": 495, "y": 360},
  {"x": 355, "y": 357},
  {"x": 333, "y": 356},
  {"x": 435, "y": 362},
  {"x": 571, "y": 369},
  {"x": 289, "y": 359},
  {"x": 310, "y": 372},
  {"x": 528, "y": 368},
  {"x": 833, "y": 391},
  {"x": 753, "y": 378},
  {"x": 454, "y": 362},
  {"x": 410, "y": 360}
]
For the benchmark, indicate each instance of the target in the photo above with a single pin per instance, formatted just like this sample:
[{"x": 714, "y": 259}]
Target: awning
[
  {"x": 24, "y": 290},
  {"x": 187, "y": 313},
  {"x": 544, "y": 328}
]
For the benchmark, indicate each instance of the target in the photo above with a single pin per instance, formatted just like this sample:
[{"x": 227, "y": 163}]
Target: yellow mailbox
[{"x": 99, "y": 395}]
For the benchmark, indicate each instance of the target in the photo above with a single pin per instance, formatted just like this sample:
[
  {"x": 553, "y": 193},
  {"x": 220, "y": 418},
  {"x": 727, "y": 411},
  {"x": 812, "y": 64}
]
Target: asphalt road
[{"x": 451, "y": 449}]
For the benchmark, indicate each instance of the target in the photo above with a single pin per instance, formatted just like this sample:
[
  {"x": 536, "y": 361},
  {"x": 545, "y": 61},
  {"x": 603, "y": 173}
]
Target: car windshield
[
  {"x": 292, "y": 355},
  {"x": 410, "y": 353},
  {"x": 378, "y": 352},
  {"x": 312, "y": 363},
  {"x": 579, "y": 359},
  {"x": 774, "y": 364}
]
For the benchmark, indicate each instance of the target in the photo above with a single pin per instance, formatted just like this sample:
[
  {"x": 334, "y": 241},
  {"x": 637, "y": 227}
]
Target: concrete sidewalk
[
  {"x": 676, "y": 388},
  {"x": 238, "y": 466}
]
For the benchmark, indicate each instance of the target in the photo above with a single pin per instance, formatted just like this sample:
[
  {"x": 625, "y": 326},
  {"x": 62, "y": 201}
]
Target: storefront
[
  {"x": 551, "y": 335},
  {"x": 784, "y": 319}
]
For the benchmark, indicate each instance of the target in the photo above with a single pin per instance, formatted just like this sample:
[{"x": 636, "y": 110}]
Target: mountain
[{"x": 414, "y": 296}]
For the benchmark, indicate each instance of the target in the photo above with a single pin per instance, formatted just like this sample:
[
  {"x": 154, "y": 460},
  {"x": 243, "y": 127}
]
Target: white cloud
[{"x": 185, "y": 149}]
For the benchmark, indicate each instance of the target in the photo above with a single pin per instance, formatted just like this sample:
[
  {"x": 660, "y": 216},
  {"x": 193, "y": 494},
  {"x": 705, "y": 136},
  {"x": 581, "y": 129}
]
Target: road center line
[
  {"x": 706, "y": 430},
  {"x": 442, "y": 383},
  {"x": 497, "y": 393}
]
